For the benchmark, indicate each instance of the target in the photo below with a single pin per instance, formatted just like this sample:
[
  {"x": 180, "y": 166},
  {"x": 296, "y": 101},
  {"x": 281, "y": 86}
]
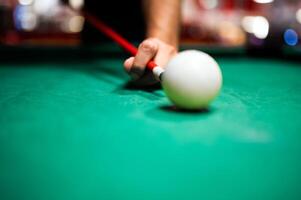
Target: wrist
[{"x": 168, "y": 38}]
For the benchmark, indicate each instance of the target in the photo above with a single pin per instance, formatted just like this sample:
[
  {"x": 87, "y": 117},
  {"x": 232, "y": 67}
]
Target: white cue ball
[{"x": 192, "y": 79}]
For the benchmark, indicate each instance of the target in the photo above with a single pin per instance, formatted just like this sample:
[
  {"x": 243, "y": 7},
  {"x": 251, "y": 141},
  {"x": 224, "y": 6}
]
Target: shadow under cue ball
[{"x": 192, "y": 79}]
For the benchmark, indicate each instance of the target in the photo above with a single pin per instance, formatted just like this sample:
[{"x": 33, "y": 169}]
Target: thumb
[{"x": 128, "y": 64}]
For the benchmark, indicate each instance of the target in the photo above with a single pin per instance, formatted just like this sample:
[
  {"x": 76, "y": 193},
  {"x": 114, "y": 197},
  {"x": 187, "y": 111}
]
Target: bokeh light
[
  {"x": 26, "y": 2},
  {"x": 46, "y": 7},
  {"x": 291, "y": 37},
  {"x": 298, "y": 15},
  {"x": 76, "y": 24},
  {"x": 25, "y": 19},
  {"x": 264, "y": 1},
  {"x": 257, "y": 25},
  {"x": 76, "y": 4}
]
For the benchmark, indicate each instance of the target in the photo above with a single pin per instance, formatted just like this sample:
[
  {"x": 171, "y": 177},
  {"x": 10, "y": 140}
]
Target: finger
[
  {"x": 146, "y": 51},
  {"x": 128, "y": 63},
  {"x": 164, "y": 55},
  {"x": 145, "y": 80}
]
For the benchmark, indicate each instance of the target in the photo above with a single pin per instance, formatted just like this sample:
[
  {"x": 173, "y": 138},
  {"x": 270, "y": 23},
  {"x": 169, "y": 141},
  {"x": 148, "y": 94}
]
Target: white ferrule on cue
[{"x": 158, "y": 71}]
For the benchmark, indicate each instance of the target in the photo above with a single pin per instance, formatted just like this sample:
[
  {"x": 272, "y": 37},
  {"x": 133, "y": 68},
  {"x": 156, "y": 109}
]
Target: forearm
[{"x": 163, "y": 20}]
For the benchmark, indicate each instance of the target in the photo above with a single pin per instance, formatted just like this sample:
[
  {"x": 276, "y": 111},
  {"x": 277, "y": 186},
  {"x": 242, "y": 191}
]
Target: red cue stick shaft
[{"x": 109, "y": 32}]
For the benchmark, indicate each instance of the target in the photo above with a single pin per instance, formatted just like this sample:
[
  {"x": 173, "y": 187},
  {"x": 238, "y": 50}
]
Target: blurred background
[{"x": 267, "y": 27}]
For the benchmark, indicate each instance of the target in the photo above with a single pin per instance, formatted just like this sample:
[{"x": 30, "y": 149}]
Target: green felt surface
[{"x": 73, "y": 130}]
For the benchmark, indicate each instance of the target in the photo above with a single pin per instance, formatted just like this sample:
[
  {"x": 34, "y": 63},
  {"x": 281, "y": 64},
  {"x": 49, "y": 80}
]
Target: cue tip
[{"x": 158, "y": 72}]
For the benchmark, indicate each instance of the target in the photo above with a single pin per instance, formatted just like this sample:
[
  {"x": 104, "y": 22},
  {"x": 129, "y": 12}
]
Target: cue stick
[{"x": 109, "y": 32}]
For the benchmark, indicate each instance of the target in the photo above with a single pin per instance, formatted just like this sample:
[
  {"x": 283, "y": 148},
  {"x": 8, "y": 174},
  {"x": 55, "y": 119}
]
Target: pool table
[{"x": 71, "y": 127}]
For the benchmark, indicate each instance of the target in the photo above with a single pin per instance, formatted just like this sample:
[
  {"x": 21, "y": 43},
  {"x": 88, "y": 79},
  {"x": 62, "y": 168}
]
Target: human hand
[{"x": 150, "y": 49}]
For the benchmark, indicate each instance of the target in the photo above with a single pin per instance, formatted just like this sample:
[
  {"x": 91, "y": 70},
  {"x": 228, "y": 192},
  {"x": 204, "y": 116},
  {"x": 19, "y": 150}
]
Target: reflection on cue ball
[{"x": 192, "y": 79}]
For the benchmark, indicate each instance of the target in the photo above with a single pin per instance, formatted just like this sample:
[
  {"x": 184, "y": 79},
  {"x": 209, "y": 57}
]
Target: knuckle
[{"x": 148, "y": 46}]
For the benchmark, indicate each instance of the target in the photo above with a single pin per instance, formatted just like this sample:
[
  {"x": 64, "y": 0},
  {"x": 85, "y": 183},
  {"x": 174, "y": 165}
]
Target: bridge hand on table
[{"x": 149, "y": 49}]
